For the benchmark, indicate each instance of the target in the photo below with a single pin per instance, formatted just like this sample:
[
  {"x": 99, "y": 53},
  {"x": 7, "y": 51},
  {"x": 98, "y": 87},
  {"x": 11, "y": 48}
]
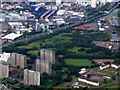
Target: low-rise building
[
  {"x": 116, "y": 66},
  {"x": 104, "y": 67},
  {"x": 85, "y": 80}
]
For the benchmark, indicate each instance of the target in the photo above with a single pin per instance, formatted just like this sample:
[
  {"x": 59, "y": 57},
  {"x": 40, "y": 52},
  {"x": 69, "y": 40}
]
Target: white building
[
  {"x": 104, "y": 67},
  {"x": 11, "y": 36},
  {"x": 5, "y": 57},
  {"x": 93, "y": 3},
  {"x": 88, "y": 81},
  {"x": 61, "y": 12},
  {"x": 115, "y": 66},
  {"x": 58, "y": 2},
  {"x": 83, "y": 70}
]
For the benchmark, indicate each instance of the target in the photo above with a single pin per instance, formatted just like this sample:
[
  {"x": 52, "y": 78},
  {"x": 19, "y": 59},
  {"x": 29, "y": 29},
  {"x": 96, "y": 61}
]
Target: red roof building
[
  {"x": 105, "y": 60},
  {"x": 80, "y": 27},
  {"x": 12, "y": 69}
]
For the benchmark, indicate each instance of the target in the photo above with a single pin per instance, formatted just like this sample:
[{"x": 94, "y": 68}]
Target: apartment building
[
  {"x": 18, "y": 60},
  {"x": 31, "y": 77},
  {"x": 47, "y": 55},
  {"x": 43, "y": 66},
  {"x": 4, "y": 70}
]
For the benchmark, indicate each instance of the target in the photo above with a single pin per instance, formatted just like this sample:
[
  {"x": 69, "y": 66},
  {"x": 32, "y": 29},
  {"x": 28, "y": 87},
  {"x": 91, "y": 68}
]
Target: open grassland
[{"x": 78, "y": 62}]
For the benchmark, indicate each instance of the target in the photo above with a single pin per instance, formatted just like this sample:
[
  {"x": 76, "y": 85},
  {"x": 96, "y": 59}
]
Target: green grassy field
[
  {"x": 107, "y": 71},
  {"x": 77, "y": 62},
  {"x": 116, "y": 85}
]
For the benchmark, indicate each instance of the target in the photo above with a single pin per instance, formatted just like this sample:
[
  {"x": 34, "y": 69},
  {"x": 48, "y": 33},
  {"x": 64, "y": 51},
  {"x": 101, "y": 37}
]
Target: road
[{"x": 105, "y": 85}]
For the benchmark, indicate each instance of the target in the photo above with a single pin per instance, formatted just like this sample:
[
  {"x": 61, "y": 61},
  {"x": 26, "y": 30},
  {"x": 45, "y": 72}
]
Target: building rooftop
[
  {"x": 105, "y": 60},
  {"x": 12, "y": 69},
  {"x": 5, "y": 56}
]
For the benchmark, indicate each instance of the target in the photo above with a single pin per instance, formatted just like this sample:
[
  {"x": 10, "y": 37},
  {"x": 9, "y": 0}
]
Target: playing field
[{"x": 78, "y": 62}]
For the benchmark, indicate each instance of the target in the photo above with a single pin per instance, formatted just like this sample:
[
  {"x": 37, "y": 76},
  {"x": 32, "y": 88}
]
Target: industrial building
[
  {"x": 43, "y": 66},
  {"x": 5, "y": 57},
  {"x": 31, "y": 77},
  {"x": 47, "y": 55},
  {"x": 4, "y": 70},
  {"x": 18, "y": 60}
]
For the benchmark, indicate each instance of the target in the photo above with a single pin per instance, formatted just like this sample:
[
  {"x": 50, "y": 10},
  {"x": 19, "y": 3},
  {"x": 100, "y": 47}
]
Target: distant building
[
  {"x": 31, "y": 77},
  {"x": 37, "y": 27},
  {"x": 47, "y": 55},
  {"x": 43, "y": 66},
  {"x": 114, "y": 36},
  {"x": 18, "y": 60},
  {"x": 85, "y": 80},
  {"x": 104, "y": 67},
  {"x": 4, "y": 71},
  {"x": 104, "y": 60},
  {"x": 115, "y": 66},
  {"x": 4, "y": 87},
  {"x": 13, "y": 72},
  {"x": 83, "y": 70},
  {"x": 5, "y": 57},
  {"x": 58, "y": 2}
]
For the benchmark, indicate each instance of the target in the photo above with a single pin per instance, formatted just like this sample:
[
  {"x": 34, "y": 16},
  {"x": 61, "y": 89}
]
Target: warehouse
[{"x": 11, "y": 36}]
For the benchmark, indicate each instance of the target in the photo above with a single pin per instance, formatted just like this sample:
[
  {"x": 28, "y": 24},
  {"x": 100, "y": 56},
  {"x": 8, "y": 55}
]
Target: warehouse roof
[
  {"x": 5, "y": 56},
  {"x": 11, "y": 36}
]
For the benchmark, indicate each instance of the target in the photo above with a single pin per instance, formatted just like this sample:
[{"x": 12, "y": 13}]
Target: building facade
[
  {"x": 31, "y": 77},
  {"x": 4, "y": 71},
  {"x": 43, "y": 66},
  {"x": 47, "y": 55},
  {"x": 18, "y": 60}
]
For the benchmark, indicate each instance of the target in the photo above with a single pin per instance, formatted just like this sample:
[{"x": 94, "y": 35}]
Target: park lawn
[
  {"x": 25, "y": 47},
  {"x": 75, "y": 49},
  {"x": 74, "y": 78},
  {"x": 34, "y": 52},
  {"x": 77, "y": 62},
  {"x": 107, "y": 71},
  {"x": 115, "y": 85},
  {"x": 55, "y": 39},
  {"x": 99, "y": 36},
  {"x": 106, "y": 82}
]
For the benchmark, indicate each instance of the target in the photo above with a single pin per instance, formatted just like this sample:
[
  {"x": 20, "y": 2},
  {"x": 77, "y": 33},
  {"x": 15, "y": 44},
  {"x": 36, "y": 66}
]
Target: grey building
[
  {"x": 114, "y": 36},
  {"x": 31, "y": 77},
  {"x": 18, "y": 60},
  {"x": 43, "y": 66},
  {"x": 4, "y": 70},
  {"x": 47, "y": 55}
]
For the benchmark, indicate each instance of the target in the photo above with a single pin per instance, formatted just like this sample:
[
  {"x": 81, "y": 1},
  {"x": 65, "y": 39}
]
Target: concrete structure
[
  {"x": 47, "y": 55},
  {"x": 18, "y": 60},
  {"x": 4, "y": 71},
  {"x": 93, "y": 3},
  {"x": 37, "y": 27},
  {"x": 11, "y": 36},
  {"x": 81, "y": 79},
  {"x": 104, "y": 67},
  {"x": 83, "y": 70},
  {"x": 58, "y": 2},
  {"x": 43, "y": 66},
  {"x": 31, "y": 77},
  {"x": 115, "y": 66},
  {"x": 5, "y": 57}
]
